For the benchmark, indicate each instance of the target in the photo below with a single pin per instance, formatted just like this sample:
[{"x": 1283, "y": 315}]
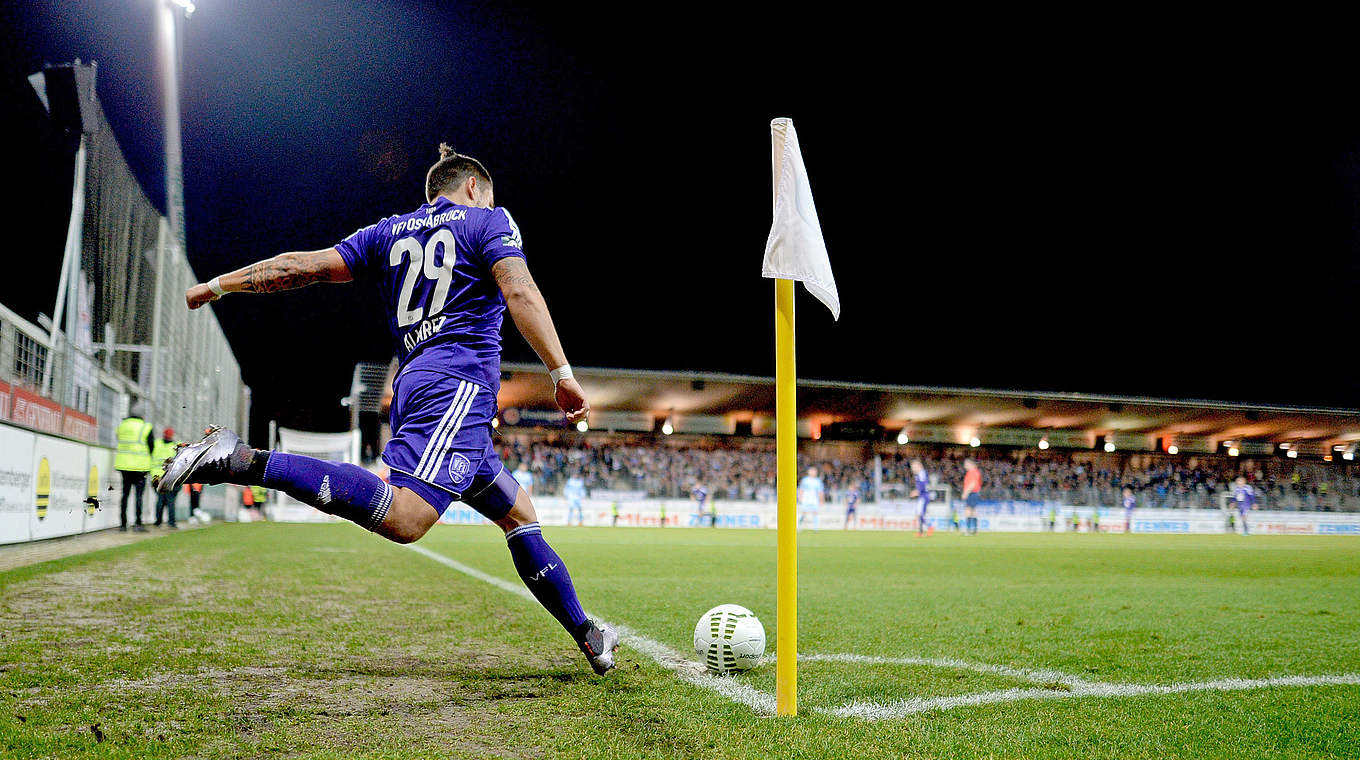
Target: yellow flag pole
[{"x": 786, "y": 442}]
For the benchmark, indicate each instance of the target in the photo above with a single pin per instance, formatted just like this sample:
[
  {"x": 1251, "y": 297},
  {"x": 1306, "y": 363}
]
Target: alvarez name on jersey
[{"x": 433, "y": 267}]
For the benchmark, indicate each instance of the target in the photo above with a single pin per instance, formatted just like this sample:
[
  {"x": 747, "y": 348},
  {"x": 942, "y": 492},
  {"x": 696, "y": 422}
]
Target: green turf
[{"x": 324, "y": 641}]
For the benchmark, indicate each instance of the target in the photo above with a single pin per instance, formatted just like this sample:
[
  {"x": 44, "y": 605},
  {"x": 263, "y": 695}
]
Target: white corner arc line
[
  {"x": 689, "y": 671},
  {"x": 906, "y": 707}
]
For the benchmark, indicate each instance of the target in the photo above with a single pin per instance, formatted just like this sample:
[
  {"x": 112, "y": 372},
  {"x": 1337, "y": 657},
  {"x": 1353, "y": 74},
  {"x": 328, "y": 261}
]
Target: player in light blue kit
[
  {"x": 811, "y": 492},
  {"x": 1245, "y": 498},
  {"x": 1130, "y": 501},
  {"x": 447, "y": 273},
  {"x": 921, "y": 493},
  {"x": 575, "y": 492}
]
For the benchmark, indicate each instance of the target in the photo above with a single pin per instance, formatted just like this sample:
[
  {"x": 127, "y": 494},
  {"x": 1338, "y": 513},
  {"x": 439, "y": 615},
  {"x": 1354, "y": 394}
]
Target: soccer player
[
  {"x": 524, "y": 477},
  {"x": 700, "y": 496},
  {"x": 1130, "y": 501},
  {"x": 1245, "y": 497},
  {"x": 447, "y": 272},
  {"x": 851, "y": 502},
  {"x": 575, "y": 492},
  {"x": 810, "y": 494},
  {"x": 921, "y": 493},
  {"x": 972, "y": 494}
]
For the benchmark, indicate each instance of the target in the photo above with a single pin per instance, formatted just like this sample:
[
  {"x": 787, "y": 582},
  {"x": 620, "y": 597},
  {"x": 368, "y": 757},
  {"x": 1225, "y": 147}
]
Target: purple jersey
[
  {"x": 923, "y": 485},
  {"x": 1129, "y": 502},
  {"x": 851, "y": 498},
  {"x": 1245, "y": 497},
  {"x": 701, "y": 496},
  {"x": 433, "y": 268}
]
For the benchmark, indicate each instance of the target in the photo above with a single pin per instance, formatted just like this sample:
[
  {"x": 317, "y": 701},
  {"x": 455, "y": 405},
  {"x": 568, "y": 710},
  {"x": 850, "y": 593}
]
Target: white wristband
[
  {"x": 561, "y": 373},
  {"x": 215, "y": 285}
]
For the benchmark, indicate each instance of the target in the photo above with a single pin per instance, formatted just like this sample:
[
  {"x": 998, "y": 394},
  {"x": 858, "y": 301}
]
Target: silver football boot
[
  {"x": 599, "y": 647},
  {"x": 215, "y": 459}
]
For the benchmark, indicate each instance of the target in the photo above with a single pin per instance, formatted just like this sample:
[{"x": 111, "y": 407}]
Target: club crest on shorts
[{"x": 459, "y": 467}]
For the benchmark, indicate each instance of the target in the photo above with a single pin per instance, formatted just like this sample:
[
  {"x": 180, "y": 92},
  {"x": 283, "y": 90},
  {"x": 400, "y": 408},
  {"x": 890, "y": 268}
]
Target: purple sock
[
  {"x": 546, "y": 576},
  {"x": 336, "y": 488}
]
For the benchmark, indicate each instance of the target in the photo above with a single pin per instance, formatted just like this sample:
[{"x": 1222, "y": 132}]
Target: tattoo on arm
[
  {"x": 511, "y": 272},
  {"x": 284, "y": 273}
]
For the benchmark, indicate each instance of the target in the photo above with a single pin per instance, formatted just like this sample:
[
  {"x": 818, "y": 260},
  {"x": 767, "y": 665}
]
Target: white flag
[{"x": 795, "y": 249}]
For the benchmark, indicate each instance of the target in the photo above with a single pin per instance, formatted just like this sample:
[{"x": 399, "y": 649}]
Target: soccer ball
[{"x": 729, "y": 638}]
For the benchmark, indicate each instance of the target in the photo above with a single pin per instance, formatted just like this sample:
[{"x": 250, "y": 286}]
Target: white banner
[
  {"x": 332, "y": 447},
  {"x": 60, "y": 487},
  {"x": 16, "y": 483},
  {"x": 1013, "y": 517}
]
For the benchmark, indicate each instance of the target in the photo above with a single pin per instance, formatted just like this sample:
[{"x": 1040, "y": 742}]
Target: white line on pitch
[
  {"x": 688, "y": 670},
  {"x": 905, "y": 707},
  {"x": 1026, "y": 674}
]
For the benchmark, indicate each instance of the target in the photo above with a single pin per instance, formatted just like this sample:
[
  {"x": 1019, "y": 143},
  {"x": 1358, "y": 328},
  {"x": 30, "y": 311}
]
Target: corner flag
[{"x": 794, "y": 251}]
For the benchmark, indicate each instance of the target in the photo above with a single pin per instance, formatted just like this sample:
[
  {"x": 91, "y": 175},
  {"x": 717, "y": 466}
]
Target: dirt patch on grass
[{"x": 365, "y": 703}]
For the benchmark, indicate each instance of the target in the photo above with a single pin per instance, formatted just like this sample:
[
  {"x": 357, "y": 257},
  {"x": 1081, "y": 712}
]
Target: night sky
[{"x": 1089, "y": 204}]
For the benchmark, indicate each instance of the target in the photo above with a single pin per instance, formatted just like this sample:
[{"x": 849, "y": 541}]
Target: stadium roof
[{"x": 967, "y": 411}]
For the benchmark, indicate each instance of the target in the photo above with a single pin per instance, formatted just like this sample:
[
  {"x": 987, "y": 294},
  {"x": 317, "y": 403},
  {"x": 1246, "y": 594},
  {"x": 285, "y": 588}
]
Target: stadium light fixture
[
  {"x": 1173, "y": 450},
  {"x": 667, "y": 427},
  {"x": 582, "y": 426},
  {"x": 1292, "y": 454},
  {"x": 1284, "y": 446},
  {"x": 1349, "y": 456},
  {"x": 1327, "y": 458},
  {"x": 1338, "y": 448},
  {"x": 974, "y": 442},
  {"x": 1232, "y": 452},
  {"x": 1109, "y": 447},
  {"x": 1043, "y": 443},
  {"x": 902, "y": 438}
]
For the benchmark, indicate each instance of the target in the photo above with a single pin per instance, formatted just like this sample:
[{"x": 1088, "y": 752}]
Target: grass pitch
[{"x": 267, "y": 640}]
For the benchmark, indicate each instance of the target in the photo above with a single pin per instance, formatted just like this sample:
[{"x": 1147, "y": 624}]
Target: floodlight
[{"x": 1173, "y": 450}]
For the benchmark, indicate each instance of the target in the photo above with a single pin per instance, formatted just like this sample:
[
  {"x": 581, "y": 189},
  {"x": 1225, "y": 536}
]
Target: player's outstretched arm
[
  {"x": 283, "y": 272},
  {"x": 530, "y": 312}
]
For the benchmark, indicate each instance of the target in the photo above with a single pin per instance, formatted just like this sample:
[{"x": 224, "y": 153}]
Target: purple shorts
[{"x": 441, "y": 437}]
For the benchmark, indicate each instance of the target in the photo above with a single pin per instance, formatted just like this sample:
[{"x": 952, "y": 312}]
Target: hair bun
[{"x": 445, "y": 151}]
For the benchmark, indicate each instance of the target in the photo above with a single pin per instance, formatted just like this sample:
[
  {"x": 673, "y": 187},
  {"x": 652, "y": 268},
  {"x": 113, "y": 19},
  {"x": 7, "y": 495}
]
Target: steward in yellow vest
[
  {"x": 136, "y": 438},
  {"x": 163, "y": 450}
]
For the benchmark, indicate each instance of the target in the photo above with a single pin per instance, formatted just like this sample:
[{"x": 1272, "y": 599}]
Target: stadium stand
[{"x": 744, "y": 469}]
